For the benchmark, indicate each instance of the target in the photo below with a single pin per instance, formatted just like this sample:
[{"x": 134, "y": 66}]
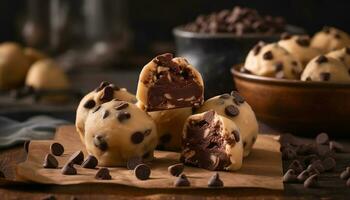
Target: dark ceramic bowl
[
  {"x": 214, "y": 54},
  {"x": 303, "y": 108}
]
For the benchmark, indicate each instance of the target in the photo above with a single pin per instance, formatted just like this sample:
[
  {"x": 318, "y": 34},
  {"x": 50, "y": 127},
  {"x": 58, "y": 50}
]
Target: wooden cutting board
[{"x": 262, "y": 169}]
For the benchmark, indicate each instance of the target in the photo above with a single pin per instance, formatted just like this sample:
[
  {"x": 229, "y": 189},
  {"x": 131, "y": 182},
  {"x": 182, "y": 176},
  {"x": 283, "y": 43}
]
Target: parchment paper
[{"x": 262, "y": 169}]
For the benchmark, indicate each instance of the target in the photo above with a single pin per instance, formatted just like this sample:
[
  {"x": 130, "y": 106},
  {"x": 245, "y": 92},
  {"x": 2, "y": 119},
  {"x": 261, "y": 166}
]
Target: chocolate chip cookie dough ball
[
  {"x": 272, "y": 60},
  {"x": 167, "y": 83},
  {"x": 105, "y": 92},
  {"x": 234, "y": 107},
  {"x": 13, "y": 66},
  {"x": 169, "y": 127},
  {"x": 299, "y": 47},
  {"x": 341, "y": 54},
  {"x": 212, "y": 142},
  {"x": 323, "y": 68},
  {"x": 117, "y": 131},
  {"x": 330, "y": 39}
]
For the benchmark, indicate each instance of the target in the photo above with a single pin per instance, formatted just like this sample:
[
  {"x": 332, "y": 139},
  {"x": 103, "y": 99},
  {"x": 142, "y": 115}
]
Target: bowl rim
[{"x": 290, "y": 82}]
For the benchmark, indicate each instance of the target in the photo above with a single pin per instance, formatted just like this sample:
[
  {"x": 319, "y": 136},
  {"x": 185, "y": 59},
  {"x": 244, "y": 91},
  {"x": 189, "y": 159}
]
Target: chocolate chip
[
  {"x": 279, "y": 67},
  {"x": 137, "y": 137},
  {"x": 303, "y": 41},
  {"x": 105, "y": 114},
  {"x": 116, "y": 88},
  {"x": 176, "y": 169},
  {"x": 103, "y": 174},
  {"x": 107, "y": 94},
  {"x": 312, "y": 170},
  {"x": 96, "y": 109},
  {"x": 215, "y": 181},
  {"x": 329, "y": 164},
  {"x": 225, "y": 96},
  {"x": 57, "y": 149},
  {"x": 133, "y": 162},
  {"x": 322, "y": 138},
  {"x": 89, "y": 104},
  {"x": 142, "y": 171},
  {"x": 123, "y": 115},
  {"x": 182, "y": 181},
  {"x": 336, "y": 147},
  {"x": 321, "y": 59},
  {"x": 101, "y": 86},
  {"x": 290, "y": 176},
  {"x": 238, "y": 99},
  {"x": 68, "y": 169},
  {"x": 296, "y": 166},
  {"x": 50, "y": 162},
  {"x": 100, "y": 142},
  {"x": 325, "y": 76},
  {"x": 236, "y": 134},
  {"x": 91, "y": 162},
  {"x": 166, "y": 138},
  {"x": 26, "y": 146},
  {"x": 256, "y": 49},
  {"x": 147, "y": 132},
  {"x": 231, "y": 111},
  {"x": 345, "y": 174},
  {"x": 268, "y": 55},
  {"x": 77, "y": 158},
  {"x": 312, "y": 181},
  {"x": 122, "y": 106},
  {"x": 318, "y": 165},
  {"x": 303, "y": 176},
  {"x": 337, "y": 36},
  {"x": 286, "y": 36}
]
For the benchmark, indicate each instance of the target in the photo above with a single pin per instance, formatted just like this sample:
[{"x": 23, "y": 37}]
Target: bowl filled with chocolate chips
[
  {"x": 299, "y": 83},
  {"x": 216, "y": 41}
]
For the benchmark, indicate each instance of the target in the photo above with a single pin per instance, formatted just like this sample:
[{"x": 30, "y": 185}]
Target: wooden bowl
[{"x": 302, "y": 108}]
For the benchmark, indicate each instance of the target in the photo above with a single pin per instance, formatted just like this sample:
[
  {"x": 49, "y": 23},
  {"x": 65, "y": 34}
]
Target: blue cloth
[{"x": 36, "y": 128}]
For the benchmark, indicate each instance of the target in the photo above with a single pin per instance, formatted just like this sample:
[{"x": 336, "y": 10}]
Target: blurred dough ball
[
  {"x": 13, "y": 65},
  {"x": 323, "y": 68},
  {"x": 170, "y": 124},
  {"x": 34, "y": 55},
  {"x": 299, "y": 47},
  {"x": 330, "y": 39},
  {"x": 341, "y": 54},
  {"x": 272, "y": 60}
]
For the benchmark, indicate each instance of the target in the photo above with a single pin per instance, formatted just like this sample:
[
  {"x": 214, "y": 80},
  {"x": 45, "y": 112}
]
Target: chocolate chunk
[
  {"x": 96, "y": 109},
  {"x": 296, "y": 166},
  {"x": 142, "y": 171},
  {"x": 122, "y": 106},
  {"x": 289, "y": 154},
  {"x": 101, "y": 86},
  {"x": 182, "y": 181},
  {"x": 166, "y": 138},
  {"x": 89, "y": 104},
  {"x": 231, "y": 111},
  {"x": 303, "y": 176},
  {"x": 325, "y": 76},
  {"x": 303, "y": 41},
  {"x": 133, "y": 162},
  {"x": 345, "y": 174},
  {"x": 164, "y": 59},
  {"x": 290, "y": 176},
  {"x": 77, "y": 158},
  {"x": 256, "y": 49},
  {"x": 215, "y": 181},
  {"x": 286, "y": 36},
  {"x": 238, "y": 99},
  {"x": 57, "y": 149},
  {"x": 68, "y": 169},
  {"x": 91, "y": 162},
  {"x": 137, "y": 137},
  {"x": 316, "y": 165},
  {"x": 321, "y": 59},
  {"x": 123, "y": 115},
  {"x": 225, "y": 96},
  {"x": 176, "y": 169},
  {"x": 105, "y": 114},
  {"x": 311, "y": 182},
  {"x": 26, "y": 146},
  {"x": 100, "y": 142},
  {"x": 322, "y": 138},
  {"x": 103, "y": 174},
  {"x": 107, "y": 94},
  {"x": 115, "y": 88},
  {"x": 336, "y": 147},
  {"x": 236, "y": 135},
  {"x": 329, "y": 164},
  {"x": 268, "y": 55},
  {"x": 279, "y": 67},
  {"x": 49, "y": 197},
  {"x": 50, "y": 161}
]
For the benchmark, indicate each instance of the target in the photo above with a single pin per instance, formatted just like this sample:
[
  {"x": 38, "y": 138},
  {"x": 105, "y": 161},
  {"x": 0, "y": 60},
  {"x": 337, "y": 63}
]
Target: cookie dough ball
[
  {"x": 169, "y": 127},
  {"x": 105, "y": 92},
  {"x": 272, "y": 61},
  {"x": 212, "y": 142},
  {"x": 167, "y": 83},
  {"x": 13, "y": 66},
  {"x": 117, "y": 131},
  {"x": 323, "y": 68},
  {"x": 341, "y": 54},
  {"x": 34, "y": 55},
  {"x": 299, "y": 47},
  {"x": 235, "y": 108},
  {"x": 330, "y": 39}
]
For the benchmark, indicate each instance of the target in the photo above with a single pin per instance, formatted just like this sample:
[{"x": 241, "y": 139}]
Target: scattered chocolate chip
[
  {"x": 238, "y": 99},
  {"x": 268, "y": 55},
  {"x": 231, "y": 111},
  {"x": 49, "y": 197},
  {"x": 236, "y": 135},
  {"x": 290, "y": 176},
  {"x": 321, "y": 59},
  {"x": 123, "y": 115},
  {"x": 100, "y": 142},
  {"x": 303, "y": 176},
  {"x": 322, "y": 138},
  {"x": 68, "y": 169},
  {"x": 91, "y": 162},
  {"x": 312, "y": 170},
  {"x": 329, "y": 164},
  {"x": 345, "y": 174},
  {"x": 133, "y": 162},
  {"x": 137, "y": 137},
  {"x": 103, "y": 174},
  {"x": 101, "y": 86},
  {"x": 182, "y": 181},
  {"x": 96, "y": 109},
  {"x": 296, "y": 166},
  {"x": 122, "y": 106},
  {"x": 105, "y": 114},
  {"x": 50, "y": 161},
  {"x": 107, "y": 94},
  {"x": 336, "y": 147},
  {"x": 57, "y": 149},
  {"x": 312, "y": 181},
  {"x": 26, "y": 146},
  {"x": 176, "y": 169},
  {"x": 256, "y": 49},
  {"x": 215, "y": 181},
  {"x": 77, "y": 158},
  {"x": 286, "y": 36},
  {"x": 303, "y": 41},
  {"x": 288, "y": 154},
  {"x": 89, "y": 104},
  {"x": 225, "y": 96},
  {"x": 279, "y": 67},
  {"x": 142, "y": 171},
  {"x": 316, "y": 165},
  {"x": 325, "y": 76}
]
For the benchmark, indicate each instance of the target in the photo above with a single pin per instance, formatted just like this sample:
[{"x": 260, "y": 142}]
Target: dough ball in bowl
[{"x": 330, "y": 39}]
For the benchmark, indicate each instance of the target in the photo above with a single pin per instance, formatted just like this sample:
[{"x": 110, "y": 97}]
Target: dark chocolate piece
[
  {"x": 321, "y": 59},
  {"x": 325, "y": 76},
  {"x": 105, "y": 114},
  {"x": 57, "y": 149},
  {"x": 68, "y": 169},
  {"x": 290, "y": 176},
  {"x": 50, "y": 161},
  {"x": 345, "y": 174},
  {"x": 103, "y": 174},
  {"x": 137, "y": 137},
  {"x": 322, "y": 138},
  {"x": 182, "y": 181},
  {"x": 100, "y": 142},
  {"x": 317, "y": 165},
  {"x": 133, "y": 162},
  {"x": 176, "y": 169},
  {"x": 296, "y": 166},
  {"x": 279, "y": 67},
  {"x": 238, "y": 99},
  {"x": 122, "y": 106},
  {"x": 231, "y": 111},
  {"x": 303, "y": 41},
  {"x": 268, "y": 55},
  {"x": 77, "y": 158},
  {"x": 215, "y": 181},
  {"x": 312, "y": 181},
  {"x": 101, "y": 86},
  {"x": 107, "y": 94},
  {"x": 90, "y": 162},
  {"x": 329, "y": 164},
  {"x": 89, "y": 104},
  {"x": 26, "y": 146},
  {"x": 142, "y": 171},
  {"x": 96, "y": 109},
  {"x": 303, "y": 176},
  {"x": 123, "y": 115}
]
